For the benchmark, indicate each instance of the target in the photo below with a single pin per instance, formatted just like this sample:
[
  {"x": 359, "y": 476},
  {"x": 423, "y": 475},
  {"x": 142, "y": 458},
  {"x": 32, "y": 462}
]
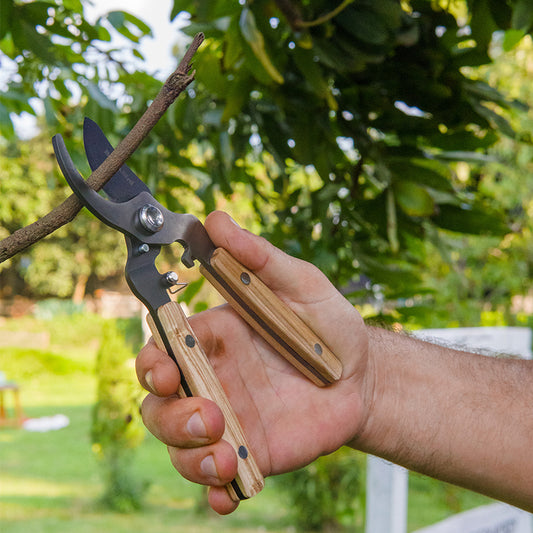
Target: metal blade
[{"x": 124, "y": 185}]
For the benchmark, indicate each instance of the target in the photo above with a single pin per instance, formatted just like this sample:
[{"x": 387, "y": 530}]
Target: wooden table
[{"x": 14, "y": 417}]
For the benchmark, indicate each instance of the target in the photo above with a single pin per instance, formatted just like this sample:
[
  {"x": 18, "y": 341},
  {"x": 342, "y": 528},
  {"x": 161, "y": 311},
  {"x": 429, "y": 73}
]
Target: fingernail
[
  {"x": 208, "y": 467},
  {"x": 234, "y": 222},
  {"x": 149, "y": 380},
  {"x": 196, "y": 426}
]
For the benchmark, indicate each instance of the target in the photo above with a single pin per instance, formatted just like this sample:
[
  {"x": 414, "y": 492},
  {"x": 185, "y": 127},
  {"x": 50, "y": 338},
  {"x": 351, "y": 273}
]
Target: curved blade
[{"x": 124, "y": 185}]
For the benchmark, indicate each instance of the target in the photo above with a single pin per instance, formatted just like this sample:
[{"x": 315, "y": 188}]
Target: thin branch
[
  {"x": 292, "y": 14},
  {"x": 65, "y": 212},
  {"x": 327, "y": 16}
]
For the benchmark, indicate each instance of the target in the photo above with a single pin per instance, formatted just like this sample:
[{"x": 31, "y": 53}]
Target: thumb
[
  {"x": 284, "y": 274},
  {"x": 301, "y": 285}
]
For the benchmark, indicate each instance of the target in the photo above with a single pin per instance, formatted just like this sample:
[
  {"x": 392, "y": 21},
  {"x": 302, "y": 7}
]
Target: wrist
[{"x": 366, "y": 428}]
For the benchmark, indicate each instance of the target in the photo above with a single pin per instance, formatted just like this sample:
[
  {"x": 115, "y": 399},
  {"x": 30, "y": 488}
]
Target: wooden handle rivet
[
  {"x": 245, "y": 278},
  {"x": 318, "y": 349},
  {"x": 189, "y": 341},
  {"x": 243, "y": 452}
]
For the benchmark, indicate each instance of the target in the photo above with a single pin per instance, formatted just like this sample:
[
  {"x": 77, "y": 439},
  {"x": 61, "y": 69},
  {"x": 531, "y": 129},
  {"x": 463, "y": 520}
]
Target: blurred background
[{"x": 388, "y": 142}]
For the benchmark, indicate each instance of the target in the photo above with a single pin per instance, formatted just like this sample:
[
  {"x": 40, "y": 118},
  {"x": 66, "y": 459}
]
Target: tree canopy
[{"x": 339, "y": 124}]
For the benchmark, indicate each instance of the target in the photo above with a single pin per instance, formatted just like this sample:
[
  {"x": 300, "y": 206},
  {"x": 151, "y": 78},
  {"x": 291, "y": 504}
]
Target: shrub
[
  {"x": 116, "y": 422},
  {"x": 328, "y": 494}
]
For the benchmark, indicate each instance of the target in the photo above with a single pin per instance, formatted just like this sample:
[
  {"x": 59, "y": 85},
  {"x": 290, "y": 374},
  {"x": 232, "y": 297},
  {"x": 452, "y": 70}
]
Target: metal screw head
[
  {"x": 143, "y": 248},
  {"x": 171, "y": 278},
  {"x": 243, "y": 452},
  {"x": 151, "y": 218}
]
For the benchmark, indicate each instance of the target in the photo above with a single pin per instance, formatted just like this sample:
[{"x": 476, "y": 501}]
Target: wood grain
[
  {"x": 277, "y": 323},
  {"x": 202, "y": 381}
]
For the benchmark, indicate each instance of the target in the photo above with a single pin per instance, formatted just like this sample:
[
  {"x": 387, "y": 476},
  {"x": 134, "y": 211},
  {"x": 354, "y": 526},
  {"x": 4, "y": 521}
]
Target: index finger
[{"x": 156, "y": 371}]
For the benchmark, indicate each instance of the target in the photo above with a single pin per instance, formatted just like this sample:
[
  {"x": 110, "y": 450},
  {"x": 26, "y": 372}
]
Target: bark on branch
[{"x": 66, "y": 211}]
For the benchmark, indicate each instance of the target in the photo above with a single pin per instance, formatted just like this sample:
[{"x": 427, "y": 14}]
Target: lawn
[{"x": 52, "y": 481}]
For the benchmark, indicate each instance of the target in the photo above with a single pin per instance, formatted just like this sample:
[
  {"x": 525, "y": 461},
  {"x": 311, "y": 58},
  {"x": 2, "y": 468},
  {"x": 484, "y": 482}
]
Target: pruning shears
[{"x": 147, "y": 225}]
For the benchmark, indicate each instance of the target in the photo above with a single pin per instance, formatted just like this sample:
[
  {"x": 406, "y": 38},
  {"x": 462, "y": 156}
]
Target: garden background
[{"x": 388, "y": 142}]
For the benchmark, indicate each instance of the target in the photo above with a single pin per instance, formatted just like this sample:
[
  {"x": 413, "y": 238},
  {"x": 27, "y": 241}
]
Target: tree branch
[
  {"x": 66, "y": 211},
  {"x": 291, "y": 12},
  {"x": 328, "y": 16},
  {"x": 293, "y": 15}
]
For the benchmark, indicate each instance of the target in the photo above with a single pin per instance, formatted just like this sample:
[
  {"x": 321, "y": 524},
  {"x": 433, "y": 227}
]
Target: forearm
[{"x": 463, "y": 418}]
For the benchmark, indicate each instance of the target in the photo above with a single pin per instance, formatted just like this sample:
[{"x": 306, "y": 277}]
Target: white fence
[
  {"x": 387, "y": 484},
  {"x": 493, "y": 518}
]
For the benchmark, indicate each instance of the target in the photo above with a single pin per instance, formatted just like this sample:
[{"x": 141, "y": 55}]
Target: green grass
[{"x": 50, "y": 482}]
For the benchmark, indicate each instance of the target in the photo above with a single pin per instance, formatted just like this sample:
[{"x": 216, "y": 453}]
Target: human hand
[{"x": 287, "y": 419}]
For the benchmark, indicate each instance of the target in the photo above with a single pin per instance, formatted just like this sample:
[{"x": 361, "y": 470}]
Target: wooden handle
[
  {"x": 285, "y": 331},
  {"x": 199, "y": 379}
]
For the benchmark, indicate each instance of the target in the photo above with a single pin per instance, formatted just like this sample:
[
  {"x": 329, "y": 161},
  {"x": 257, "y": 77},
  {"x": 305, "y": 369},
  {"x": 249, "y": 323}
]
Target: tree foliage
[
  {"x": 487, "y": 280},
  {"x": 339, "y": 123},
  {"x": 356, "y": 116},
  {"x": 58, "y": 67}
]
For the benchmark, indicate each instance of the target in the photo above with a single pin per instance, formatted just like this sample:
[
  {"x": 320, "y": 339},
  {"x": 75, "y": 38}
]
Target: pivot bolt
[{"x": 151, "y": 218}]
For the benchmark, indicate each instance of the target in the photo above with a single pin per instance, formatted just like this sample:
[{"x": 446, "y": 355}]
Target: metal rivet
[
  {"x": 171, "y": 278},
  {"x": 151, "y": 218},
  {"x": 143, "y": 249},
  {"x": 318, "y": 349},
  {"x": 243, "y": 452},
  {"x": 189, "y": 341},
  {"x": 245, "y": 278}
]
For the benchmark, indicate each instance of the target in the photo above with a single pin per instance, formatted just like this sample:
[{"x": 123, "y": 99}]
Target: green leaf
[
  {"x": 103, "y": 33},
  {"x": 128, "y": 25},
  {"x": 50, "y": 112},
  {"x": 102, "y": 100},
  {"x": 208, "y": 71},
  {"x": 468, "y": 219},
  {"x": 482, "y": 24},
  {"x": 256, "y": 41},
  {"x": 511, "y": 38},
  {"x": 60, "y": 86},
  {"x": 16, "y": 100},
  {"x": 522, "y": 18},
  {"x": 413, "y": 199},
  {"x": 26, "y": 37},
  {"x": 365, "y": 25},
  {"x": 390, "y": 12},
  {"x": 304, "y": 61},
  {"x": 483, "y": 91},
  {"x": 408, "y": 171},
  {"x": 232, "y": 46},
  {"x": 496, "y": 120},
  {"x": 6, "y": 8},
  {"x": 6, "y": 126},
  {"x": 35, "y": 12},
  {"x": 138, "y": 54},
  {"x": 501, "y": 13},
  {"x": 73, "y": 5},
  {"x": 468, "y": 157},
  {"x": 236, "y": 97},
  {"x": 116, "y": 19},
  {"x": 138, "y": 23}
]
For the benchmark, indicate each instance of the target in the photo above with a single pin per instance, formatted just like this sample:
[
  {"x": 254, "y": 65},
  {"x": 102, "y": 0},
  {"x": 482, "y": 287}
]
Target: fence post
[{"x": 386, "y": 497}]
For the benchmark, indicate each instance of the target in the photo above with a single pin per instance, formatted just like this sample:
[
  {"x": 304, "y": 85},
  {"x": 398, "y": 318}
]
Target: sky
[
  {"x": 156, "y": 14},
  {"x": 157, "y": 50}
]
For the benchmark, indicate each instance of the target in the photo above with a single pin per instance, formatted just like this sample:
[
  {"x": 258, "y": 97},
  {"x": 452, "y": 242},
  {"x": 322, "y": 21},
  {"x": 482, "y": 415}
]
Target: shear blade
[{"x": 124, "y": 185}]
